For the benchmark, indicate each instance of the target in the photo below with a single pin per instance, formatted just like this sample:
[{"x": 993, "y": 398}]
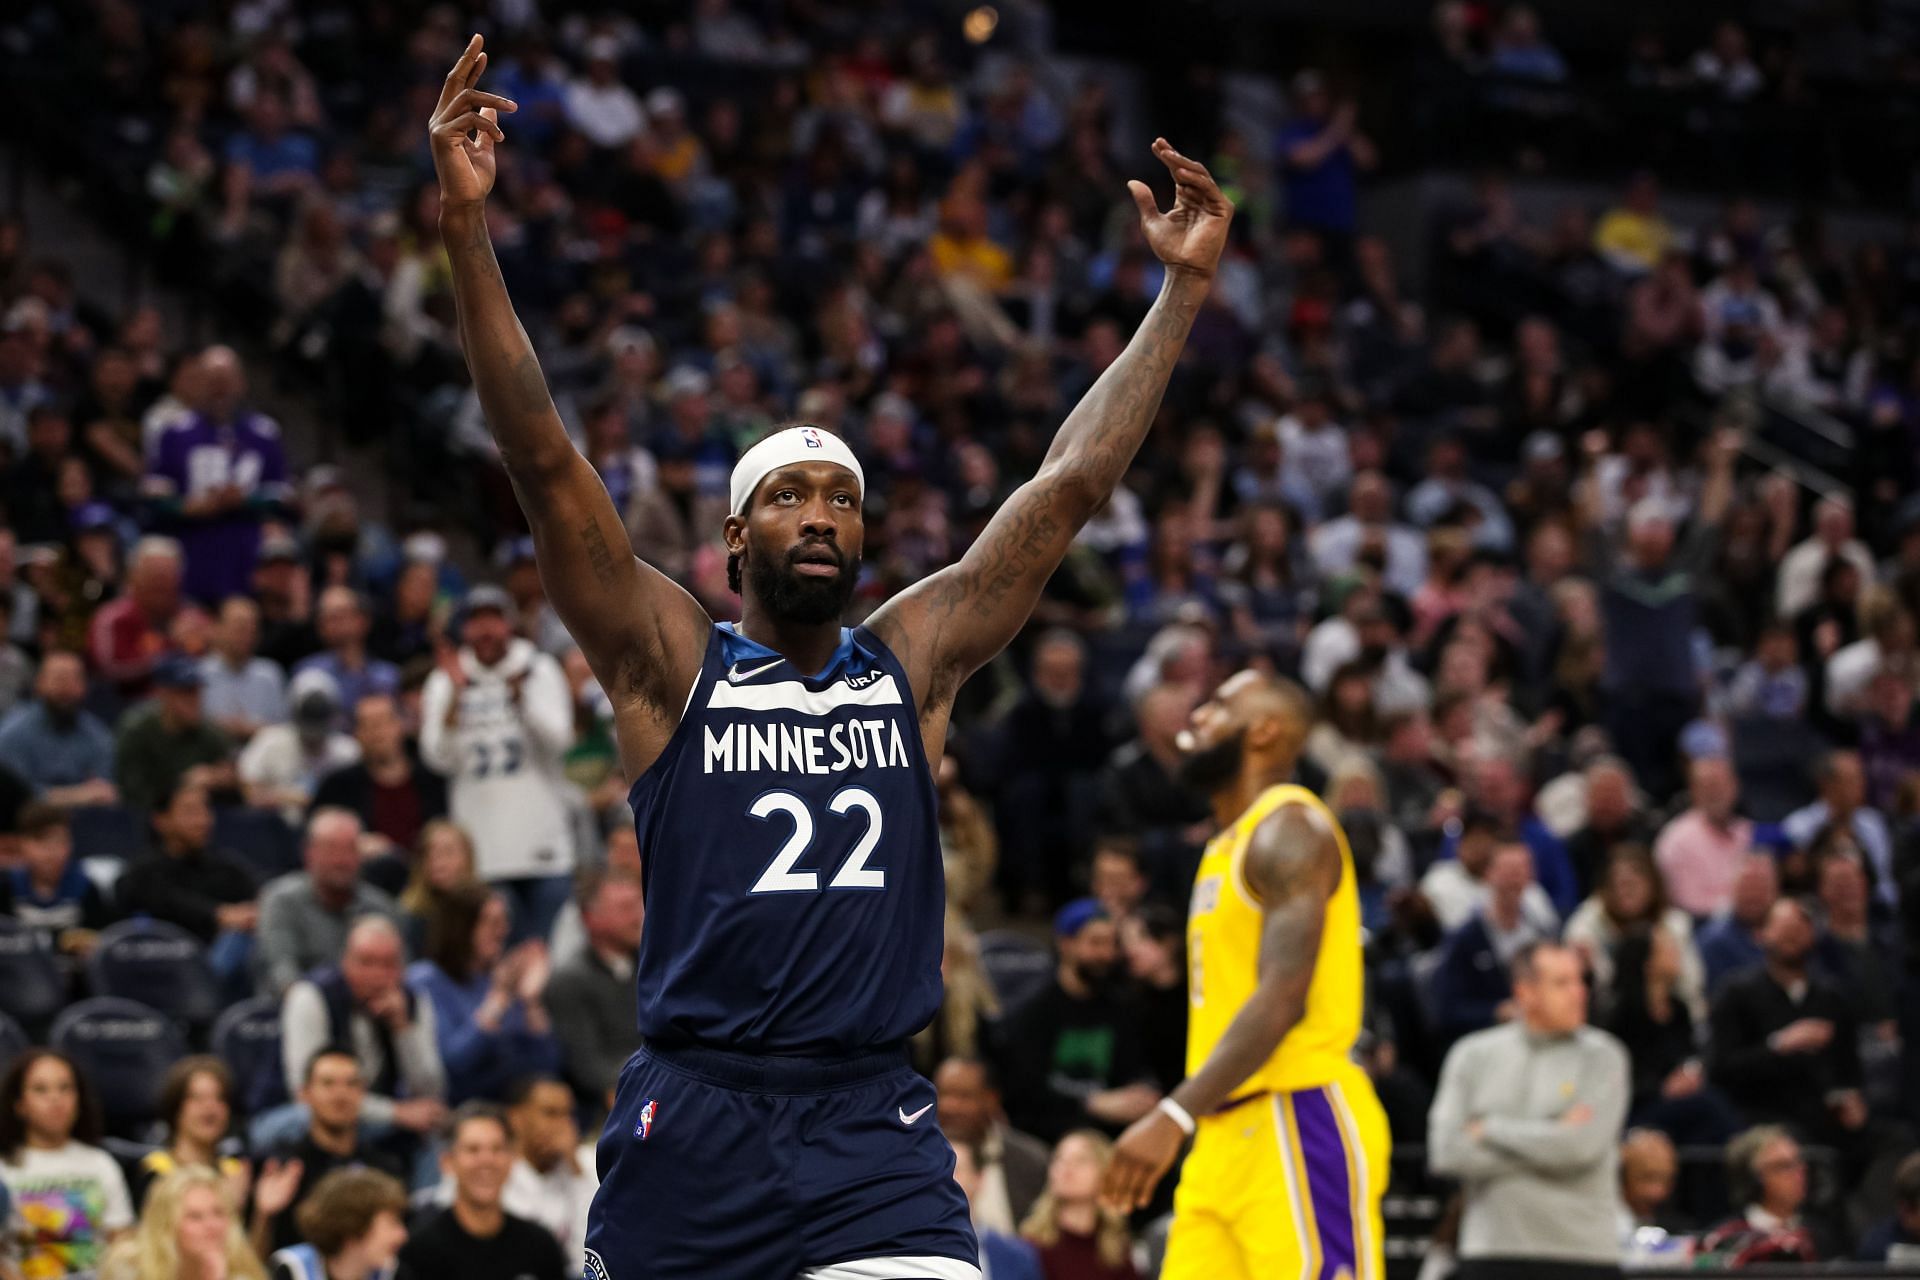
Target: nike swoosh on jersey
[
  {"x": 736, "y": 675},
  {"x": 909, "y": 1119}
]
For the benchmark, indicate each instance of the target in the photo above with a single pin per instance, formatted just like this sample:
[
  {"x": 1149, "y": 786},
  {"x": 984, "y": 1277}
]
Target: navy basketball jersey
[{"x": 795, "y": 896}]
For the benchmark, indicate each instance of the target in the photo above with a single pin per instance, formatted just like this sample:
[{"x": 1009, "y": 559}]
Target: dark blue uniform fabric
[
  {"x": 795, "y": 920},
  {"x": 795, "y": 900},
  {"x": 756, "y": 1168}
]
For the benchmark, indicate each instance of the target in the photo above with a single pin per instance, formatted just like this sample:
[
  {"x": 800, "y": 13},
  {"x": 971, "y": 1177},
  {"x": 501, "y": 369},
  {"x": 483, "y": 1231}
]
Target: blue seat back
[
  {"x": 32, "y": 987},
  {"x": 125, "y": 1049},
  {"x": 247, "y": 1039},
  {"x": 158, "y": 964}
]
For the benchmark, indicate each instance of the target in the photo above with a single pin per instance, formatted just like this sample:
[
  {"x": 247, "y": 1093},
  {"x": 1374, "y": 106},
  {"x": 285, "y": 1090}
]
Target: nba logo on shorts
[
  {"x": 645, "y": 1126},
  {"x": 812, "y": 438}
]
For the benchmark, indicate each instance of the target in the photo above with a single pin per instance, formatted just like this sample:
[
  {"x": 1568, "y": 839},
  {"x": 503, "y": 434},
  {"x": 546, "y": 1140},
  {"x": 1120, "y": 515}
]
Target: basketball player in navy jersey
[{"x": 771, "y": 1128}]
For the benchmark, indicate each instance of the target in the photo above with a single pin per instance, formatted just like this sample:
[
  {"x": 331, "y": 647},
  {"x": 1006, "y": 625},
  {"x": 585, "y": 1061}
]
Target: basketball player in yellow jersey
[{"x": 1289, "y": 1142}]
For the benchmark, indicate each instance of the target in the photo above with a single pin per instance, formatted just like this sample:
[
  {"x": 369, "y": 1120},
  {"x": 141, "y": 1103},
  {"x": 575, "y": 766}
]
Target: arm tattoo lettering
[{"x": 599, "y": 554}]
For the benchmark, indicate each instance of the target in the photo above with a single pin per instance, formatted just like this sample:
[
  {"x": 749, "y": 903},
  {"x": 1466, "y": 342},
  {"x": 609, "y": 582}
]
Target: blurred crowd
[{"x": 1593, "y": 664}]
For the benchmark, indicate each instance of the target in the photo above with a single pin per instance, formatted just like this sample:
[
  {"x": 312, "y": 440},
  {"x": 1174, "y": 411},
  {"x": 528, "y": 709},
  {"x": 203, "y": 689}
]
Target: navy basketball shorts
[{"x": 727, "y": 1166}]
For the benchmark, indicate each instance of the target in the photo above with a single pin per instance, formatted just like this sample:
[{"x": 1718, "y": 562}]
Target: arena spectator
[
  {"x": 49, "y": 891},
  {"x": 1860, "y": 957},
  {"x": 243, "y": 692},
  {"x": 1798, "y": 577},
  {"x": 1140, "y": 789},
  {"x": 1153, "y": 944},
  {"x": 1078, "y": 1237},
  {"x": 70, "y": 1201},
  {"x": 394, "y": 797},
  {"x": 1322, "y": 152},
  {"x": 1056, "y": 738},
  {"x": 352, "y": 1224},
  {"x": 1010, "y": 1166},
  {"x": 1663, "y": 1036},
  {"x": 1784, "y": 1041},
  {"x": 591, "y": 993},
  {"x": 604, "y": 110},
  {"x": 495, "y": 718},
  {"x": 187, "y": 881},
  {"x": 343, "y": 628},
  {"x": 1457, "y": 887},
  {"x": 1002, "y": 1255},
  {"x": 475, "y": 1236},
  {"x": 128, "y": 634},
  {"x": 1896, "y": 1240},
  {"x": 1843, "y": 806},
  {"x": 1701, "y": 851},
  {"x": 442, "y": 862},
  {"x": 1615, "y": 816},
  {"x": 55, "y": 743},
  {"x": 1772, "y": 682},
  {"x": 166, "y": 740},
  {"x": 196, "y": 1105},
  {"x": 1470, "y": 988},
  {"x": 1631, "y": 899},
  {"x": 1527, "y": 1116},
  {"x": 305, "y": 915},
  {"x": 215, "y": 478},
  {"x": 489, "y": 1003},
  {"x": 1649, "y": 1168},
  {"x": 1071, "y": 1052},
  {"x": 1369, "y": 532},
  {"x": 1730, "y": 942},
  {"x": 553, "y": 1180},
  {"x": 1768, "y": 1179},
  {"x": 282, "y": 766},
  {"x": 362, "y": 1004},
  {"x": 333, "y": 1094},
  {"x": 189, "y": 1229},
  {"x": 1634, "y": 236}
]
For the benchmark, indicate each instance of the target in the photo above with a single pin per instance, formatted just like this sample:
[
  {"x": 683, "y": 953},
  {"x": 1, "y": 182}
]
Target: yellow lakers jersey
[{"x": 1223, "y": 959}]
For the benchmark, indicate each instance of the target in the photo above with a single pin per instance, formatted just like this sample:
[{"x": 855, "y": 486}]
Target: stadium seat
[
  {"x": 247, "y": 1039},
  {"x": 158, "y": 964},
  {"x": 1015, "y": 964},
  {"x": 12, "y": 1041},
  {"x": 259, "y": 837},
  {"x": 108, "y": 831},
  {"x": 124, "y": 1048},
  {"x": 32, "y": 988}
]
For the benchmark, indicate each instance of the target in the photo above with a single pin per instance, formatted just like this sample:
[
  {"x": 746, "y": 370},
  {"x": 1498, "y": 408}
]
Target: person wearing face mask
[
  {"x": 282, "y": 766},
  {"x": 1071, "y": 1054}
]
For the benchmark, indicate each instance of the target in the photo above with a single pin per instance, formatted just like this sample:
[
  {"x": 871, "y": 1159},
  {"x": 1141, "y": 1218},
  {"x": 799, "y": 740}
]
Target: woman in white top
[
  {"x": 70, "y": 1199},
  {"x": 1629, "y": 896}
]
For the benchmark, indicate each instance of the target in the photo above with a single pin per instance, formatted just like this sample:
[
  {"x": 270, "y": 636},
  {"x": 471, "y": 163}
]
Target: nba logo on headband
[{"x": 812, "y": 438}]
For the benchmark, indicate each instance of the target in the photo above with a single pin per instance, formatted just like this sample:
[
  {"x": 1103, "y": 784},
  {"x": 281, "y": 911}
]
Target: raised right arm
[{"x": 642, "y": 634}]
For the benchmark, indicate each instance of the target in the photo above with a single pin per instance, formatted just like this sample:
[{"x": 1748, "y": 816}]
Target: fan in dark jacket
[
  {"x": 187, "y": 883},
  {"x": 1670, "y": 1089}
]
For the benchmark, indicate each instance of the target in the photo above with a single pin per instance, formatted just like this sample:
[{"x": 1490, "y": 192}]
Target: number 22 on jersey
[{"x": 782, "y": 875}]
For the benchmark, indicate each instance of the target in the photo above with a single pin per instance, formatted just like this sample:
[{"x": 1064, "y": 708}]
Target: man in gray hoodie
[{"x": 1528, "y": 1118}]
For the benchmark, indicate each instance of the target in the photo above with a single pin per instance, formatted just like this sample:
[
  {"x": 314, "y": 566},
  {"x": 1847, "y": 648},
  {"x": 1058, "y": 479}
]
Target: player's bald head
[{"x": 1254, "y": 698}]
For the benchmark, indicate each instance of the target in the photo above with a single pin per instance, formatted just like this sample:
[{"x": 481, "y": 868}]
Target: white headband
[{"x": 783, "y": 449}]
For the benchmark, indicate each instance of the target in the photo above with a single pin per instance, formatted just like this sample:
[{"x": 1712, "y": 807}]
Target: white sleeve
[
  {"x": 255, "y": 763},
  {"x": 436, "y": 743},
  {"x": 303, "y": 1032},
  {"x": 546, "y": 706},
  {"x": 119, "y": 1208}
]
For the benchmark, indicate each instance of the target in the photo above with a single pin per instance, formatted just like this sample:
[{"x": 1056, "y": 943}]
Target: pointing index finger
[{"x": 457, "y": 76}]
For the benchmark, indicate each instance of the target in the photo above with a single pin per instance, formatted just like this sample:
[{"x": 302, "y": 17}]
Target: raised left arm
[
  {"x": 1293, "y": 867},
  {"x": 952, "y": 622}
]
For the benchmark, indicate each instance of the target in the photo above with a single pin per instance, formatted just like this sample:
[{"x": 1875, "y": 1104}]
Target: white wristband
[{"x": 1178, "y": 1114}]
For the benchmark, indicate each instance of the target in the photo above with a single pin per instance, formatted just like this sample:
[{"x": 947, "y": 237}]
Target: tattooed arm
[
  {"x": 954, "y": 621},
  {"x": 1292, "y": 866},
  {"x": 642, "y": 634}
]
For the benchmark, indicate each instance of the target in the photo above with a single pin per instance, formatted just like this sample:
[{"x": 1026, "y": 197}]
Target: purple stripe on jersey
[{"x": 1324, "y": 1152}]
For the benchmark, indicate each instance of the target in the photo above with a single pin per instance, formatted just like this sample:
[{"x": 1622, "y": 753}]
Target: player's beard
[
  {"x": 794, "y": 597},
  {"x": 1208, "y": 770}
]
